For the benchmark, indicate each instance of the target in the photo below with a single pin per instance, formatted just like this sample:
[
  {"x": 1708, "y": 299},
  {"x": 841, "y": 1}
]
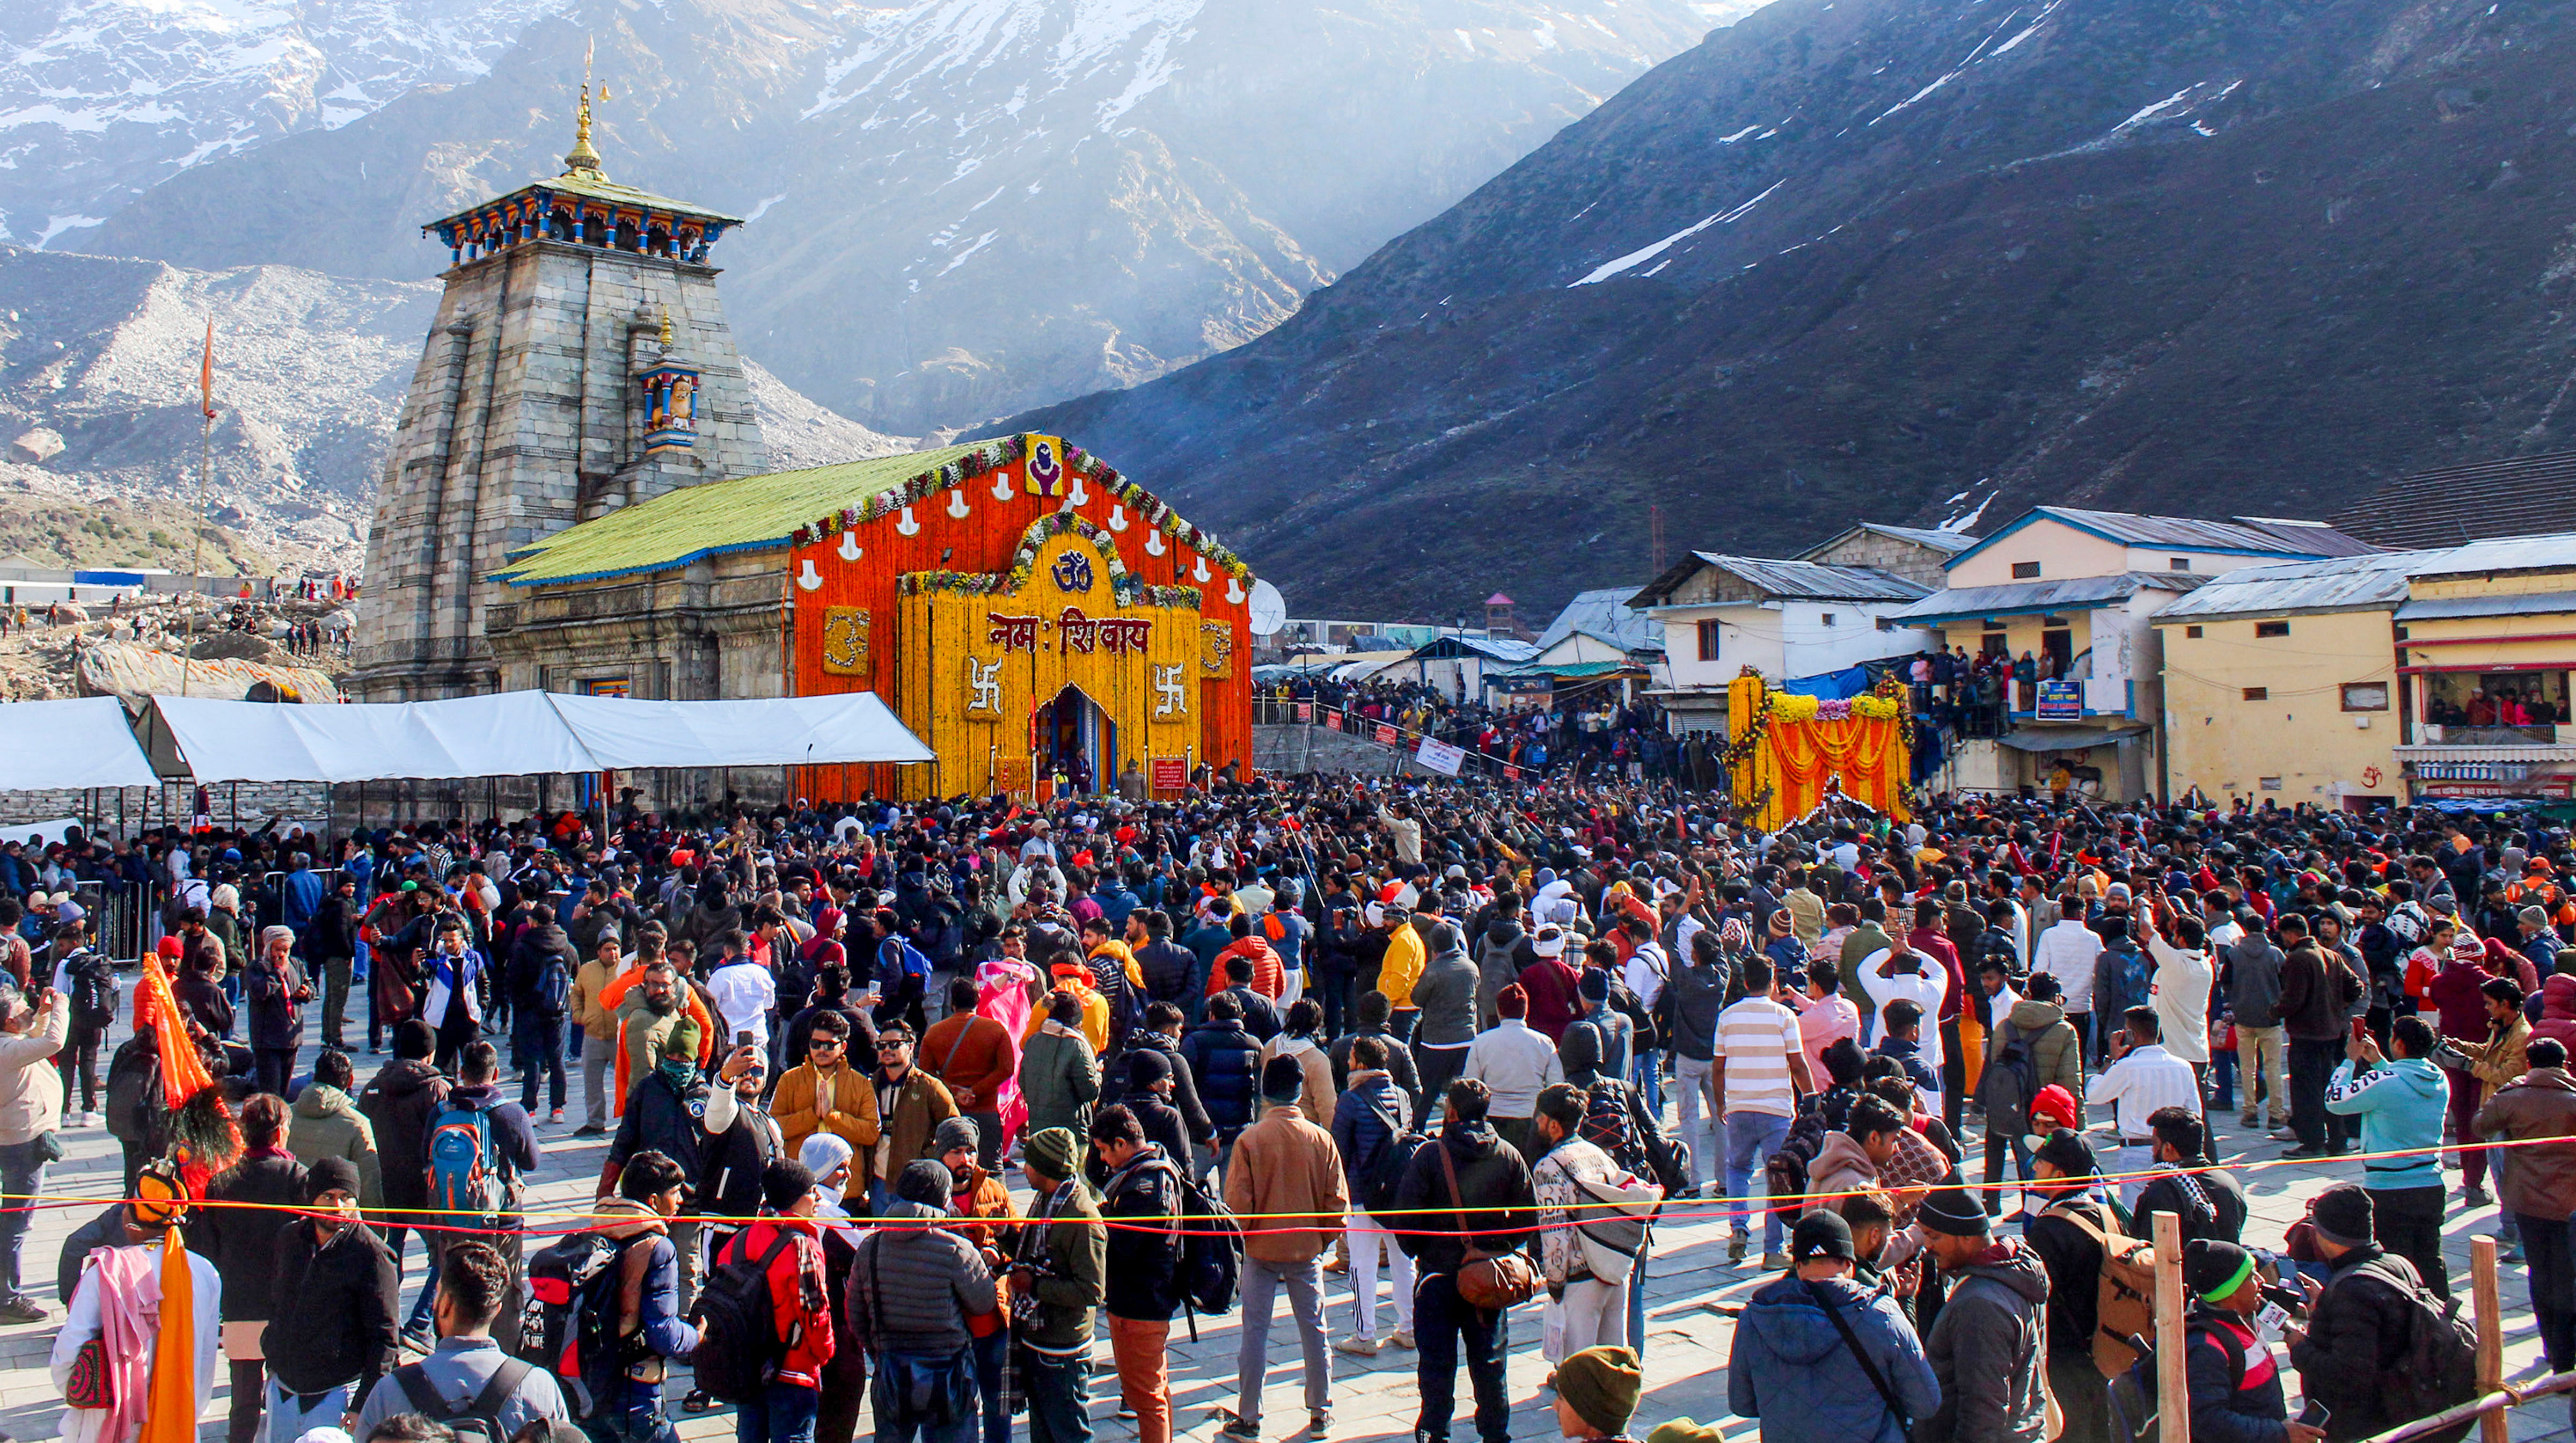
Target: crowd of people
[
  {"x": 902, "y": 1109},
  {"x": 1588, "y": 734}
]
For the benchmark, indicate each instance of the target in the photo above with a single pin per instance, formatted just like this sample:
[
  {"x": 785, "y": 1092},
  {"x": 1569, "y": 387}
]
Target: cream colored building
[
  {"x": 2400, "y": 677},
  {"x": 2078, "y": 591},
  {"x": 2280, "y": 683}
]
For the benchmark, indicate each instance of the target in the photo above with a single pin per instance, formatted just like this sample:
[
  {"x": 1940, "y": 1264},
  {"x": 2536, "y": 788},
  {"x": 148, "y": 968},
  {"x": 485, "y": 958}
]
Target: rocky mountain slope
[
  {"x": 100, "y": 427},
  {"x": 102, "y": 99},
  {"x": 1913, "y": 261},
  {"x": 961, "y": 208}
]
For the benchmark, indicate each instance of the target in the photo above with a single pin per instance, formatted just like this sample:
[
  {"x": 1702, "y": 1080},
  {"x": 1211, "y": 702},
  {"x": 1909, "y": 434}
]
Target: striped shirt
[{"x": 1755, "y": 1038}]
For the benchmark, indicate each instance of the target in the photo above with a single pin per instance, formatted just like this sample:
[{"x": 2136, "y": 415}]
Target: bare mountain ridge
[
  {"x": 961, "y": 209},
  {"x": 100, "y": 420},
  {"x": 1904, "y": 261}
]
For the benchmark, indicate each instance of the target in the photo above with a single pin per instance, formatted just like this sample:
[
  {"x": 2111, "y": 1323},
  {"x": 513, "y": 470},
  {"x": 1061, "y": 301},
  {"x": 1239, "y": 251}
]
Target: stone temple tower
[{"x": 579, "y": 362}]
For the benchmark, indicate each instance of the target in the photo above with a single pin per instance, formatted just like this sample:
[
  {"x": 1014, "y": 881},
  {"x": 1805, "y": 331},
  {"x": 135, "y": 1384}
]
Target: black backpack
[
  {"x": 93, "y": 980},
  {"x": 738, "y": 1340},
  {"x": 2013, "y": 1067},
  {"x": 571, "y": 1327},
  {"x": 133, "y": 1089},
  {"x": 1383, "y": 1178},
  {"x": 478, "y": 1420},
  {"x": 2437, "y": 1368},
  {"x": 1211, "y": 1250}
]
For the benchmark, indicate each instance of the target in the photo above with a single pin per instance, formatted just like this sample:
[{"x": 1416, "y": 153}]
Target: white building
[{"x": 1788, "y": 620}]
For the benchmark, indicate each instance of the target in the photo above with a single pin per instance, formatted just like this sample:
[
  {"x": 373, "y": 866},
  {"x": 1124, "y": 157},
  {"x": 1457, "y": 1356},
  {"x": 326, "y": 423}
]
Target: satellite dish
[{"x": 1269, "y": 609}]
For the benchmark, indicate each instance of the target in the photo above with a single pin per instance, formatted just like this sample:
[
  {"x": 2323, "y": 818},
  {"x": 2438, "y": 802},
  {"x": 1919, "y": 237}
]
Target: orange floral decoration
[{"x": 1795, "y": 751}]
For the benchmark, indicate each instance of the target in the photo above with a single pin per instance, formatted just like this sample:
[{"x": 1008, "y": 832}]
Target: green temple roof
[{"x": 748, "y": 513}]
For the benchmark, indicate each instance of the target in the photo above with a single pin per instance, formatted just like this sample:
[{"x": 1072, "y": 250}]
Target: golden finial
[
  {"x": 583, "y": 160},
  {"x": 666, "y": 328}
]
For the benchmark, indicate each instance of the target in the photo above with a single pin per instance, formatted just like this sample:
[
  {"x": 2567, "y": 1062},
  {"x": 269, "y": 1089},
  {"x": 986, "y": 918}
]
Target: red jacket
[
  {"x": 798, "y": 1293},
  {"x": 1266, "y": 977}
]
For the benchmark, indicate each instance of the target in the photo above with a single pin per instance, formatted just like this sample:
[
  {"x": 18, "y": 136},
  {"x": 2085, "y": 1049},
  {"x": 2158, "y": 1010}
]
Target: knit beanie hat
[
  {"x": 329, "y": 1173},
  {"x": 1054, "y": 1151},
  {"x": 1601, "y": 1385},
  {"x": 1950, "y": 1210},
  {"x": 1145, "y": 1067},
  {"x": 1283, "y": 1081},
  {"x": 926, "y": 1182},
  {"x": 784, "y": 1181},
  {"x": 2213, "y": 1268},
  {"x": 954, "y": 1133},
  {"x": 2343, "y": 1216}
]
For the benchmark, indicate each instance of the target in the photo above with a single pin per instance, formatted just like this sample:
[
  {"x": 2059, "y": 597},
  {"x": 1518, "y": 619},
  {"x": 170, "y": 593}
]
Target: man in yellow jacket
[
  {"x": 1401, "y": 969},
  {"x": 1075, "y": 977},
  {"x": 827, "y": 1093}
]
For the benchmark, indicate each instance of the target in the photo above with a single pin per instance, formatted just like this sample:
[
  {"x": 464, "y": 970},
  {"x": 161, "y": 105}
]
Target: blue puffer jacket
[
  {"x": 2401, "y": 1103},
  {"x": 1227, "y": 1063},
  {"x": 1791, "y": 1369}
]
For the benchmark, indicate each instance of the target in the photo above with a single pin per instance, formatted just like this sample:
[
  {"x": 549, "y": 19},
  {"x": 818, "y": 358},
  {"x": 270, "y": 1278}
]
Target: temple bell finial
[{"x": 583, "y": 159}]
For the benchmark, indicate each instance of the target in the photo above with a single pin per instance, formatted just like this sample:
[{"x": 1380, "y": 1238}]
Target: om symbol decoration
[
  {"x": 1072, "y": 572},
  {"x": 2370, "y": 776},
  {"x": 984, "y": 687}
]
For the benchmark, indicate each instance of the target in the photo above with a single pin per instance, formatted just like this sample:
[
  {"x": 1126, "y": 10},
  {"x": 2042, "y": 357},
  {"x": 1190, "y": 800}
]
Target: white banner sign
[{"x": 1440, "y": 756}]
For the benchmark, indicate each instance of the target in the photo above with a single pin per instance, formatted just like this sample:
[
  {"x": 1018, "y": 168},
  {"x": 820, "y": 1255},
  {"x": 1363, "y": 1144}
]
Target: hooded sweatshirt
[
  {"x": 1791, "y": 1369},
  {"x": 2400, "y": 1103},
  {"x": 2254, "y": 981},
  {"x": 1446, "y": 992},
  {"x": 2557, "y": 1010},
  {"x": 398, "y": 1102},
  {"x": 327, "y": 1124},
  {"x": 1985, "y": 1350}
]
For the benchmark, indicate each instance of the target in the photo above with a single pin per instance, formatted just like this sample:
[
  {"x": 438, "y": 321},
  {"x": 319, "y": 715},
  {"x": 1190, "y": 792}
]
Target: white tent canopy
[
  {"x": 82, "y": 743},
  {"x": 523, "y": 733},
  {"x": 788, "y": 731}
]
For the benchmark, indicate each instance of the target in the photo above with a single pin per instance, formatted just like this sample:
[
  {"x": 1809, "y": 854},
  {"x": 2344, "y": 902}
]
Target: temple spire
[{"x": 583, "y": 160}]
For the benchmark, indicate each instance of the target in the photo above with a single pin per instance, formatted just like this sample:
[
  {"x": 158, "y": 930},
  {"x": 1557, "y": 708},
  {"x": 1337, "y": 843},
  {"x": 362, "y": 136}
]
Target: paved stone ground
[{"x": 1685, "y": 1353}]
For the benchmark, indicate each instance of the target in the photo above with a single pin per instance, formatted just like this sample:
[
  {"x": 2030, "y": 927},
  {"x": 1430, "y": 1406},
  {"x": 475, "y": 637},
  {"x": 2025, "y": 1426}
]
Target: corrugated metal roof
[
  {"x": 1605, "y": 613},
  {"x": 2071, "y": 592},
  {"x": 2521, "y": 495},
  {"x": 2342, "y": 583},
  {"x": 2241, "y": 534},
  {"x": 1816, "y": 581},
  {"x": 1565, "y": 670},
  {"x": 1948, "y": 542},
  {"x": 681, "y": 526},
  {"x": 2536, "y": 603},
  {"x": 2381, "y": 579},
  {"x": 1490, "y": 648}
]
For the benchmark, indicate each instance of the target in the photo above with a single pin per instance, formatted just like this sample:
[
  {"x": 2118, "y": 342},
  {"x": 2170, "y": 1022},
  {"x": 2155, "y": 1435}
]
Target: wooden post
[
  {"x": 2173, "y": 1383},
  {"x": 2494, "y": 1425}
]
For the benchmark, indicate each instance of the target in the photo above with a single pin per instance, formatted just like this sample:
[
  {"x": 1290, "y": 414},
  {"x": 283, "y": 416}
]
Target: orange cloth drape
[{"x": 170, "y": 1414}]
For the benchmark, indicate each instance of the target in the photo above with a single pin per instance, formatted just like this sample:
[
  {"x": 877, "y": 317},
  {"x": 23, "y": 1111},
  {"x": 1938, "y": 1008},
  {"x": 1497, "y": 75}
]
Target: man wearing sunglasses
[{"x": 910, "y": 1106}]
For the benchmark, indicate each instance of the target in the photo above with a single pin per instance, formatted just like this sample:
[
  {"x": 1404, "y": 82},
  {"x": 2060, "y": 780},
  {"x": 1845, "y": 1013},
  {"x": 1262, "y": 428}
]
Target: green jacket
[
  {"x": 327, "y": 1123},
  {"x": 1059, "y": 1080},
  {"x": 1069, "y": 1258}
]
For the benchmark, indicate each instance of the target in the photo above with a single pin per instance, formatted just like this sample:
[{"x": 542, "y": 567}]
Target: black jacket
[
  {"x": 1166, "y": 968},
  {"x": 514, "y": 1139},
  {"x": 528, "y": 963},
  {"x": 1491, "y": 1174},
  {"x": 242, "y": 1241},
  {"x": 397, "y": 1102},
  {"x": 662, "y": 1119},
  {"x": 2217, "y": 1211},
  {"x": 334, "y": 1309},
  {"x": 1399, "y": 1063},
  {"x": 1185, "y": 1086},
  {"x": 1141, "y": 1260},
  {"x": 2356, "y": 1337}
]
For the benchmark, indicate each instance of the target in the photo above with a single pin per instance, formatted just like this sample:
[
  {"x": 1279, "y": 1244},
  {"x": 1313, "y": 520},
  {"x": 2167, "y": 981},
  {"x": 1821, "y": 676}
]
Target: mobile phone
[
  {"x": 742, "y": 1039},
  {"x": 2360, "y": 1029}
]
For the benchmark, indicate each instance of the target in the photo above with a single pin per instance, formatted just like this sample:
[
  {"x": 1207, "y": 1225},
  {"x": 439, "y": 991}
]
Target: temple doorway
[{"x": 1074, "y": 741}]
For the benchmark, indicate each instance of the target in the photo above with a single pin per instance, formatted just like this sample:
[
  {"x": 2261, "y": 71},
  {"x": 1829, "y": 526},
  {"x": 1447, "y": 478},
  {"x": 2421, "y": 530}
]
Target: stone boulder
[
  {"x": 37, "y": 447},
  {"x": 234, "y": 646}
]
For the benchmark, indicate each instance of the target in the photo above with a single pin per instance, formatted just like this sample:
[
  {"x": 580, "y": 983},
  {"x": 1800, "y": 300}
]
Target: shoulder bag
[
  {"x": 1489, "y": 1281},
  {"x": 1886, "y": 1394}
]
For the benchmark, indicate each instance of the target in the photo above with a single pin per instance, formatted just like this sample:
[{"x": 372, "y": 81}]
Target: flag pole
[{"x": 205, "y": 479}]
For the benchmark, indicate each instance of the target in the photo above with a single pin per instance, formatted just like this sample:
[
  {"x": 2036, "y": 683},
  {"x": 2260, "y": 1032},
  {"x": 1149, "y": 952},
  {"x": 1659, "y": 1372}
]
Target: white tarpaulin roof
[
  {"x": 82, "y": 743},
  {"x": 522, "y": 733},
  {"x": 787, "y": 731}
]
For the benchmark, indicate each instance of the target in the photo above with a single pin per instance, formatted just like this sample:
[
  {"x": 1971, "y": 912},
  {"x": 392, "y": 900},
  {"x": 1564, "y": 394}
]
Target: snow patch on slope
[{"x": 1643, "y": 254}]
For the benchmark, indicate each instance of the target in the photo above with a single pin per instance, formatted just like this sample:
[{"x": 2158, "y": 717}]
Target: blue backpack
[{"x": 465, "y": 1182}]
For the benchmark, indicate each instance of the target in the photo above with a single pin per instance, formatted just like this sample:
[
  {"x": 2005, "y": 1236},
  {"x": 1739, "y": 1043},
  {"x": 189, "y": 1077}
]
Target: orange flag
[
  {"x": 170, "y": 1412},
  {"x": 206, "y": 374}
]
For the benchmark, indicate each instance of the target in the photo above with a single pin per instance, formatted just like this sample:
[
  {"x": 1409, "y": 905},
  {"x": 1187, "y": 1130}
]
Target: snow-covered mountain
[
  {"x": 959, "y": 207},
  {"x": 102, "y": 99}
]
